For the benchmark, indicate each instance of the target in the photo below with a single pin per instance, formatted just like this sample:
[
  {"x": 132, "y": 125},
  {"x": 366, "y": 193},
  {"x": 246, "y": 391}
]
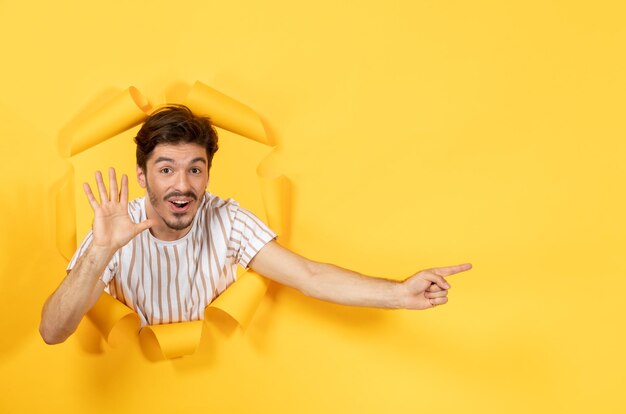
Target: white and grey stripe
[{"x": 168, "y": 282}]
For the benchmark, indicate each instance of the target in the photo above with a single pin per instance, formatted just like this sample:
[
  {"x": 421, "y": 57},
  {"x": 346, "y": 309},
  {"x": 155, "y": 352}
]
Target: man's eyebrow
[
  {"x": 165, "y": 159},
  {"x": 199, "y": 159}
]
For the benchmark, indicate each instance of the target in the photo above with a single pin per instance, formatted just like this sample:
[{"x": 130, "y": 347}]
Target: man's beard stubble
[{"x": 178, "y": 225}]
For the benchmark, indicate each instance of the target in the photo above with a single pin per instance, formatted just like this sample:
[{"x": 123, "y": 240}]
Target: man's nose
[{"x": 182, "y": 182}]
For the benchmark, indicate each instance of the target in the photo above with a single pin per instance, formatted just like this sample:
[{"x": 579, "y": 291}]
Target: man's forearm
[
  {"x": 335, "y": 284},
  {"x": 326, "y": 281},
  {"x": 65, "y": 308}
]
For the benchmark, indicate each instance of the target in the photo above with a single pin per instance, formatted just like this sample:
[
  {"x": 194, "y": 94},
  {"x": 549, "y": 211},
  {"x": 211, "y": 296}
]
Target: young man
[{"x": 168, "y": 255}]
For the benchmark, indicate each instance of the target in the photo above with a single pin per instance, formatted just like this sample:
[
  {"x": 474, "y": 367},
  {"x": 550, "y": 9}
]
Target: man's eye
[
  {"x": 195, "y": 171},
  {"x": 166, "y": 170}
]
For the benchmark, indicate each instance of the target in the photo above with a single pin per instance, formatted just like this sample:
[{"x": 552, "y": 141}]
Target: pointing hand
[{"x": 428, "y": 288}]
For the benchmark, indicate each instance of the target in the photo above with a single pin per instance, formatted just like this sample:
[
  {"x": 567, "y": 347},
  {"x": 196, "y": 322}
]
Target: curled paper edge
[
  {"x": 225, "y": 112},
  {"x": 170, "y": 340},
  {"x": 122, "y": 112},
  {"x": 241, "y": 300},
  {"x": 110, "y": 315}
]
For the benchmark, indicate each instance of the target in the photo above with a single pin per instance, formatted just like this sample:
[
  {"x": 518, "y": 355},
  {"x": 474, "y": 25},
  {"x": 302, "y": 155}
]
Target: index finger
[
  {"x": 92, "y": 200},
  {"x": 450, "y": 270},
  {"x": 124, "y": 190},
  {"x": 113, "y": 194}
]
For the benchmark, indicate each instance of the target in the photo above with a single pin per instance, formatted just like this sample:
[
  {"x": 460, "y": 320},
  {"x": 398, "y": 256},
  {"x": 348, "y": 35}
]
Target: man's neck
[{"x": 162, "y": 232}]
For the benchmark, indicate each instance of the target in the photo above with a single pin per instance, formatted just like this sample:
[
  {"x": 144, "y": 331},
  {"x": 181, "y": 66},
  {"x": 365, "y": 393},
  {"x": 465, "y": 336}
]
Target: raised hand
[
  {"x": 112, "y": 226},
  {"x": 428, "y": 288}
]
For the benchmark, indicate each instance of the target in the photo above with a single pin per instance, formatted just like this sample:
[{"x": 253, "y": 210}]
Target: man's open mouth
[{"x": 180, "y": 206}]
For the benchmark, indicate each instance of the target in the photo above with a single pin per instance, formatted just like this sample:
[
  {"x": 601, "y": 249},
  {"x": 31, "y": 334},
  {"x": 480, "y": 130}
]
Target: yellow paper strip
[
  {"x": 110, "y": 315},
  {"x": 121, "y": 113},
  {"x": 225, "y": 112},
  {"x": 242, "y": 298},
  {"x": 171, "y": 340}
]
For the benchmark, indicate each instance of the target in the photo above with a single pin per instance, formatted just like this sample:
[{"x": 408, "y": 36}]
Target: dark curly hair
[{"x": 173, "y": 124}]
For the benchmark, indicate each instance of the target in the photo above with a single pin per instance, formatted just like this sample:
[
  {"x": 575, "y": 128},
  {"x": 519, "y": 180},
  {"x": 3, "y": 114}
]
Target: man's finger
[
  {"x": 90, "y": 196},
  {"x": 101, "y": 188},
  {"x": 124, "y": 190},
  {"x": 434, "y": 288},
  {"x": 433, "y": 278},
  {"x": 438, "y": 301},
  {"x": 144, "y": 225},
  {"x": 450, "y": 270},
  {"x": 432, "y": 295},
  {"x": 113, "y": 194}
]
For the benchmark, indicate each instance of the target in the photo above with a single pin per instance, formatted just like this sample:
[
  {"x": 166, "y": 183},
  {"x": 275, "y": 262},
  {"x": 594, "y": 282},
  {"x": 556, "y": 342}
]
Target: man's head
[
  {"x": 174, "y": 153},
  {"x": 174, "y": 124}
]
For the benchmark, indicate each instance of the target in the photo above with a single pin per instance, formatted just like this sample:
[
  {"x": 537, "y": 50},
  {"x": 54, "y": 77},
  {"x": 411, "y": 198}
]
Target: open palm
[{"x": 112, "y": 226}]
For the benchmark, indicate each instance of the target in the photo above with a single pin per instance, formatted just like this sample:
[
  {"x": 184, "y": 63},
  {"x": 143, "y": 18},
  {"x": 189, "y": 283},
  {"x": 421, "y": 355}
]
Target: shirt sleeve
[
  {"x": 248, "y": 236},
  {"x": 109, "y": 271}
]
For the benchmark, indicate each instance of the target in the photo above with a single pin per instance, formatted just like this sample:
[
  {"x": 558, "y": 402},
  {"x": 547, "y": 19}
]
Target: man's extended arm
[
  {"x": 81, "y": 288},
  {"x": 423, "y": 290}
]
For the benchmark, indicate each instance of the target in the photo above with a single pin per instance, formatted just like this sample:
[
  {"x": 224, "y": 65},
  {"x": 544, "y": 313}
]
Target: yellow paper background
[{"x": 415, "y": 134}]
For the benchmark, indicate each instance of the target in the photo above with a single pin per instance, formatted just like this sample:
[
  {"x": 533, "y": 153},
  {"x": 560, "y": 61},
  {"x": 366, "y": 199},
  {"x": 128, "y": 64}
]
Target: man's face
[{"x": 175, "y": 179}]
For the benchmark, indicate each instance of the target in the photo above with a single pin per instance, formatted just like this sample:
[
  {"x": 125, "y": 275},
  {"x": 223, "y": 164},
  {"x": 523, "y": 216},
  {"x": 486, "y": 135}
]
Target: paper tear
[
  {"x": 227, "y": 113},
  {"x": 240, "y": 301},
  {"x": 124, "y": 111},
  {"x": 171, "y": 340}
]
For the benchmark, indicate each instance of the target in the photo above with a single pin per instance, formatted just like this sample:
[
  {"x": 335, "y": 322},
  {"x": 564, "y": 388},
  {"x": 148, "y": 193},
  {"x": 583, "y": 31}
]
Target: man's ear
[{"x": 141, "y": 177}]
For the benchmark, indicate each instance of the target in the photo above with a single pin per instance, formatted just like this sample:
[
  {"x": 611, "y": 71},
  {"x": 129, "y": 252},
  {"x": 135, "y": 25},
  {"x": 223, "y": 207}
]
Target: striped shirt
[{"x": 173, "y": 281}]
